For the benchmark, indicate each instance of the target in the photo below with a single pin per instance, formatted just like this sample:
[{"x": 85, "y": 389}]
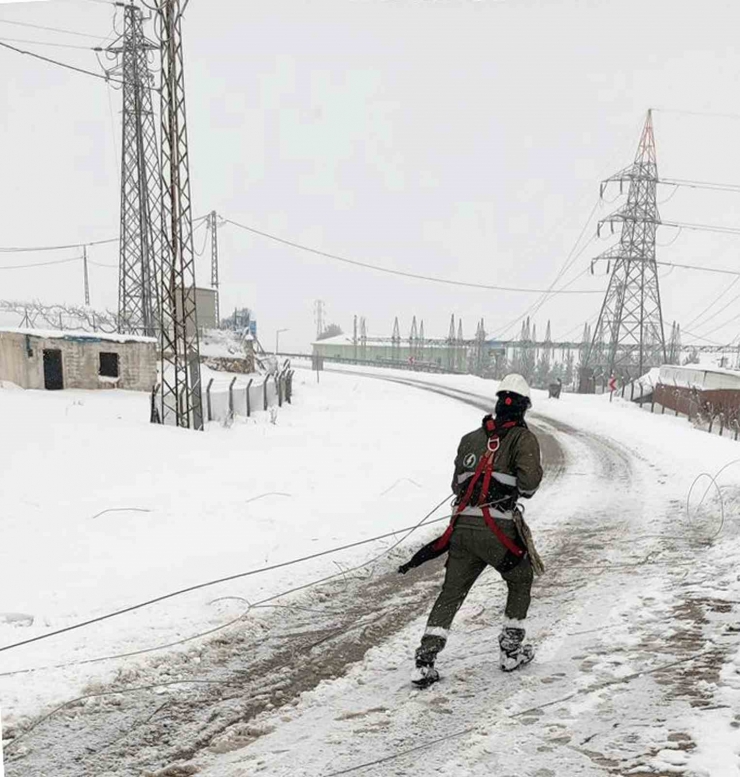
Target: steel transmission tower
[
  {"x": 138, "y": 287},
  {"x": 213, "y": 226},
  {"x": 396, "y": 342},
  {"x": 181, "y": 384},
  {"x": 629, "y": 337}
]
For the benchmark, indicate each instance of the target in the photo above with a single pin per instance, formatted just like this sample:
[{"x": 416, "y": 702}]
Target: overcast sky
[{"x": 456, "y": 138}]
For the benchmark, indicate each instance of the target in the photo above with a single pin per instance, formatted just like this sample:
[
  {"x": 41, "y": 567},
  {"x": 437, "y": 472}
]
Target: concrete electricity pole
[
  {"x": 213, "y": 226},
  {"x": 87, "y": 277},
  {"x": 181, "y": 383}
]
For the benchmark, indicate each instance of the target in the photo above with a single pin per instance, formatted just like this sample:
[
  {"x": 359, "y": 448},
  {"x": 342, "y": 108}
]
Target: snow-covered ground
[
  {"x": 101, "y": 511},
  {"x": 636, "y": 620}
]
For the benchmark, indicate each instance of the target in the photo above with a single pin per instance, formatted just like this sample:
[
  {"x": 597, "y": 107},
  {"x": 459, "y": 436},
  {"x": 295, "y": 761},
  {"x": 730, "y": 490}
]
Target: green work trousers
[{"x": 473, "y": 548}]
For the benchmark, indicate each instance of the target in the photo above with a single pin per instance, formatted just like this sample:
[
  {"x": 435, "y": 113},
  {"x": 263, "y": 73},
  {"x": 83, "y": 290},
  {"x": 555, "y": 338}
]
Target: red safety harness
[{"x": 484, "y": 470}]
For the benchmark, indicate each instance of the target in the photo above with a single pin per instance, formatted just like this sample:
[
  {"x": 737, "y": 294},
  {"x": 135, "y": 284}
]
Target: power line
[
  {"x": 512, "y": 715},
  {"x": 567, "y": 264},
  {"x": 721, "y": 187},
  {"x": 102, "y": 77},
  {"x": 408, "y": 530},
  {"x": 47, "y": 43},
  {"x": 79, "y": 244},
  {"x": 50, "y": 29},
  {"x": 42, "y": 264},
  {"x": 717, "y": 328},
  {"x": 699, "y": 337},
  {"x": 700, "y": 227},
  {"x": 710, "y": 302},
  {"x": 715, "y": 302},
  {"x": 700, "y": 269},
  {"x": 569, "y": 261},
  {"x": 65, "y": 65},
  {"x": 706, "y": 114},
  {"x": 389, "y": 271},
  {"x": 36, "y": 249}
]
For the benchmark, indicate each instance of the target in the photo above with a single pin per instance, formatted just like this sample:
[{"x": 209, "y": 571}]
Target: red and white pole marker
[{"x": 612, "y": 389}]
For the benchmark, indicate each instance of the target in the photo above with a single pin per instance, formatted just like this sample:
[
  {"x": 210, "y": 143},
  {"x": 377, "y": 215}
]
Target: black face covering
[{"x": 511, "y": 407}]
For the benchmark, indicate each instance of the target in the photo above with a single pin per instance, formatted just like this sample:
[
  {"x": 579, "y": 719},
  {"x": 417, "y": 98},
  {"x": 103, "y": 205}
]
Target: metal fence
[
  {"x": 247, "y": 396},
  {"x": 701, "y": 409}
]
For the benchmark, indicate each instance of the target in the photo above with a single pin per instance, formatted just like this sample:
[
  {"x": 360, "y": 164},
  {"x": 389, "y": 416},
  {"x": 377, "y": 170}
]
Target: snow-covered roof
[
  {"x": 700, "y": 376},
  {"x": 336, "y": 340},
  {"x": 58, "y": 334}
]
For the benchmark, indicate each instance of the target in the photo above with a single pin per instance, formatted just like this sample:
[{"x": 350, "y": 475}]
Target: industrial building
[
  {"x": 205, "y": 308},
  {"x": 36, "y": 359},
  {"x": 456, "y": 356}
]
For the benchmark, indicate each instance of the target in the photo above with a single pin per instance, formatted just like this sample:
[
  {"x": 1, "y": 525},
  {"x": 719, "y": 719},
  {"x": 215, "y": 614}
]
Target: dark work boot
[
  {"x": 513, "y": 653},
  {"x": 424, "y": 674}
]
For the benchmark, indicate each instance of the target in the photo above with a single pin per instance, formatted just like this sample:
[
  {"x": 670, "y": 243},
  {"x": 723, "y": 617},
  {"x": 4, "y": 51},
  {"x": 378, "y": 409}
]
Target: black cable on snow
[{"x": 230, "y": 578}]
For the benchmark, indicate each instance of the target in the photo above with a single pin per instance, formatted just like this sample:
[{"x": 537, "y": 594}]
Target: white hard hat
[{"x": 515, "y": 384}]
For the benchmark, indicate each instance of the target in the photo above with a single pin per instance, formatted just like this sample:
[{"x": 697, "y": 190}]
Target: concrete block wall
[{"x": 22, "y": 361}]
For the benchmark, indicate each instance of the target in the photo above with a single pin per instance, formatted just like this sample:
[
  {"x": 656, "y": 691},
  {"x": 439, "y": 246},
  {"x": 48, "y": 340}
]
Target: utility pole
[
  {"x": 213, "y": 226},
  {"x": 140, "y": 247},
  {"x": 460, "y": 349},
  {"x": 355, "y": 341},
  {"x": 181, "y": 383},
  {"x": 396, "y": 342},
  {"x": 363, "y": 339},
  {"x": 451, "y": 342},
  {"x": 629, "y": 333},
  {"x": 319, "y": 308},
  {"x": 480, "y": 342},
  {"x": 87, "y": 277}
]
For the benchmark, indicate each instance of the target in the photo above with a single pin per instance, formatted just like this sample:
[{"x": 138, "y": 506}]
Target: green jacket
[{"x": 517, "y": 469}]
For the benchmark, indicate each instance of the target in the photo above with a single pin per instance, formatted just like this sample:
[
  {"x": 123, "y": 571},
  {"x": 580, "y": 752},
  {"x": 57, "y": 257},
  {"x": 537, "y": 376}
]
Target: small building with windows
[{"x": 51, "y": 360}]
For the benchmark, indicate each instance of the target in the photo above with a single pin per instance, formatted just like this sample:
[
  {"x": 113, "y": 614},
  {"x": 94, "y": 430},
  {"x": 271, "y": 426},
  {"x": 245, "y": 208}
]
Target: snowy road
[{"x": 631, "y": 597}]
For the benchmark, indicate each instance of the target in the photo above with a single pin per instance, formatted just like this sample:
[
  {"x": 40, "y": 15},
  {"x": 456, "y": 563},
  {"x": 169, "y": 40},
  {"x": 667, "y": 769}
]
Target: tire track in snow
[
  {"x": 598, "y": 579},
  {"x": 292, "y": 653},
  {"x": 300, "y": 652}
]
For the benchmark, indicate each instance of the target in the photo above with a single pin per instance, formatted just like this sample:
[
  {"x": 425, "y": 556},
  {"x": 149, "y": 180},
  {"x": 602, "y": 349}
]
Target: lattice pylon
[
  {"x": 629, "y": 336},
  {"x": 181, "y": 382},
  {"x": 141, "y": 228},
  {"x": 363, "y": 339},
  {"x": 396, "y": 341}
]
